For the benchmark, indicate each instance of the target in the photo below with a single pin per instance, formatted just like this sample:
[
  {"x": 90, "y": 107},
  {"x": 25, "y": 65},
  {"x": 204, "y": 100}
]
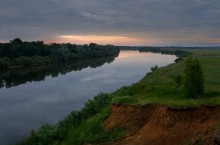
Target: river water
[{"x": 30, "y": 97}]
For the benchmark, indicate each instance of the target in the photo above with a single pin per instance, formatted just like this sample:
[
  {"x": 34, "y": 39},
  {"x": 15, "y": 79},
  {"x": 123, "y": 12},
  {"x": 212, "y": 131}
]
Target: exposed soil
[{"x": 160, "y": 125}]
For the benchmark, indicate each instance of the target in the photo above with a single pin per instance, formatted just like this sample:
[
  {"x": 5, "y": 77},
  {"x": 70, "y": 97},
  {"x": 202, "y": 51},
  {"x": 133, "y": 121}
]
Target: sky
[{"x": 117, "y": 22}]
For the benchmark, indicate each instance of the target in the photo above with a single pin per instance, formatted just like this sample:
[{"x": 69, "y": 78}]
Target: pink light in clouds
[
  {"x": 115, "y": 40},
  {"x": 132, "y": 41}
]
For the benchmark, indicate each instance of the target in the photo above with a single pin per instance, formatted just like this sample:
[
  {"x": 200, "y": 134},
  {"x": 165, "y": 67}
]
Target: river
[{"x": 30, "y": 97}]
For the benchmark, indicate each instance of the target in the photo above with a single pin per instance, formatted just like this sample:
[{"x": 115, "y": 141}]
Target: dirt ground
[{"x": 160, "y": 125}]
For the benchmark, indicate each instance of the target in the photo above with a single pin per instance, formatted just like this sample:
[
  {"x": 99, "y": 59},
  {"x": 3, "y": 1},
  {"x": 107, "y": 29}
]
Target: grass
[
  {"x": 78, "y": 128},
  {"x": 92, "y": 131},
  {"x": 158, "y": 87}
]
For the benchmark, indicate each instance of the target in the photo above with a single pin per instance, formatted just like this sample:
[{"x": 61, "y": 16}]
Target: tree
[
  {"x": 194, "y": 80},
  {"x": 16, "y": 41}
]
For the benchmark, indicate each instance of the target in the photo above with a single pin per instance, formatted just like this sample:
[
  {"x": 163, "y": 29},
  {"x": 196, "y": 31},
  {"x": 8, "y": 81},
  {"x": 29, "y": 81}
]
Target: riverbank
[
  {"x": 18, "y": 54},
  {"x": 161, "y": 125},
  {"x": 11, "y": 78},
  {"x": 54, "y": 91},
  {"x": 158, "y": 87}
]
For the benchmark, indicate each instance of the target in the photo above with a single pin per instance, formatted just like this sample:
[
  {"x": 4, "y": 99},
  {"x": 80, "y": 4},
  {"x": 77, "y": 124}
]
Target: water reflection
[
  {"x": 46, "y": 94},
  {"x": 20, "y": 76}
]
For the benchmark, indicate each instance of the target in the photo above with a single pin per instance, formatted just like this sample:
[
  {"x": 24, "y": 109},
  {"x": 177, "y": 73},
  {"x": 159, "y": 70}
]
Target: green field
[{"x": 157, "y": 87}]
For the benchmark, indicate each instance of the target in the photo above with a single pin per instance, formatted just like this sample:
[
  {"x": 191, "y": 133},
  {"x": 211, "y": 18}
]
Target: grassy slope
[
  {"x": 159, "y": 87},
  {"x": 92, "y": 131},
  {"x": 156, "y": 87}
]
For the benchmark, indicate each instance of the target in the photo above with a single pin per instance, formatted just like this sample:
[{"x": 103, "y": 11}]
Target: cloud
[{"x": 164, "y": 21}]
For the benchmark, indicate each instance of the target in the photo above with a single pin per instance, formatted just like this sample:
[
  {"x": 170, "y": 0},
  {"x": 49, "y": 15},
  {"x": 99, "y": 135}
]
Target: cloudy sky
[{"x": 119, "y": 22}]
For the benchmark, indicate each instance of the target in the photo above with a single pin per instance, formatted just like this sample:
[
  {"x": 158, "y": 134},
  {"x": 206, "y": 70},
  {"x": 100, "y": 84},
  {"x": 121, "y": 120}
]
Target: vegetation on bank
[
  {"x": 85, "y": 126},
  {"x": 193, "y": 78},
  {"x": 161, "y": 86},
  {"x": 17, "y": 53},
  {"x": 10, "y": 78},
  {"x": 178, "y": 52}
]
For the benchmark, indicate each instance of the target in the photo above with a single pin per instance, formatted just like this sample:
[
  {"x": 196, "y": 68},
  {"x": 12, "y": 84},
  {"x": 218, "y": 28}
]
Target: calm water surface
[{"x": 46, "y": 94}]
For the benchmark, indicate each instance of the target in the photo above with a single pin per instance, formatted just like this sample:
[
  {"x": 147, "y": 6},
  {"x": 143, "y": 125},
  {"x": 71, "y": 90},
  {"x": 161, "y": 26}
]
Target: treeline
[
  {"x": 178, "y": 51},
  {"x": 17, "y": 53},
  {"x": 10, "y": 78},
  {"x": 166, "y": 47}
]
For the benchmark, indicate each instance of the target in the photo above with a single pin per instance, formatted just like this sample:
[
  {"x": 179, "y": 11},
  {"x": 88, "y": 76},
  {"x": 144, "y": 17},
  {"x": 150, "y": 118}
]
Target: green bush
[
  {"x": 193, "y": 79},
  {"x": 153, "y": 68}
]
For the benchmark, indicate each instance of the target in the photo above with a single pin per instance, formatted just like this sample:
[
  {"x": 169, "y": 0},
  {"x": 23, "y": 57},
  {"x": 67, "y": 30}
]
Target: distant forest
[
  {"x": 173, "y": 50},
  {"x": 164, "y": 47},
  {"x": 17, "y": 53},
  {"x": 10, "y": 78}
]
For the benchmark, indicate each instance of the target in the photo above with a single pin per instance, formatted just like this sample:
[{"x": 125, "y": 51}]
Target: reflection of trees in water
[{"x": 20, "y": 76}]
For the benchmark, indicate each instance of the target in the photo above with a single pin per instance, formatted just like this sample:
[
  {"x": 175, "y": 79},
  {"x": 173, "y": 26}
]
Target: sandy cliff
[{"x": 160, "y": 125}]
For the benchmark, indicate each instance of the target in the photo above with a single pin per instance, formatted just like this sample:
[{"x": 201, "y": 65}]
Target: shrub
[
  {"x": 194, "y": 81},
  {"x": 153, "y": 68}
]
